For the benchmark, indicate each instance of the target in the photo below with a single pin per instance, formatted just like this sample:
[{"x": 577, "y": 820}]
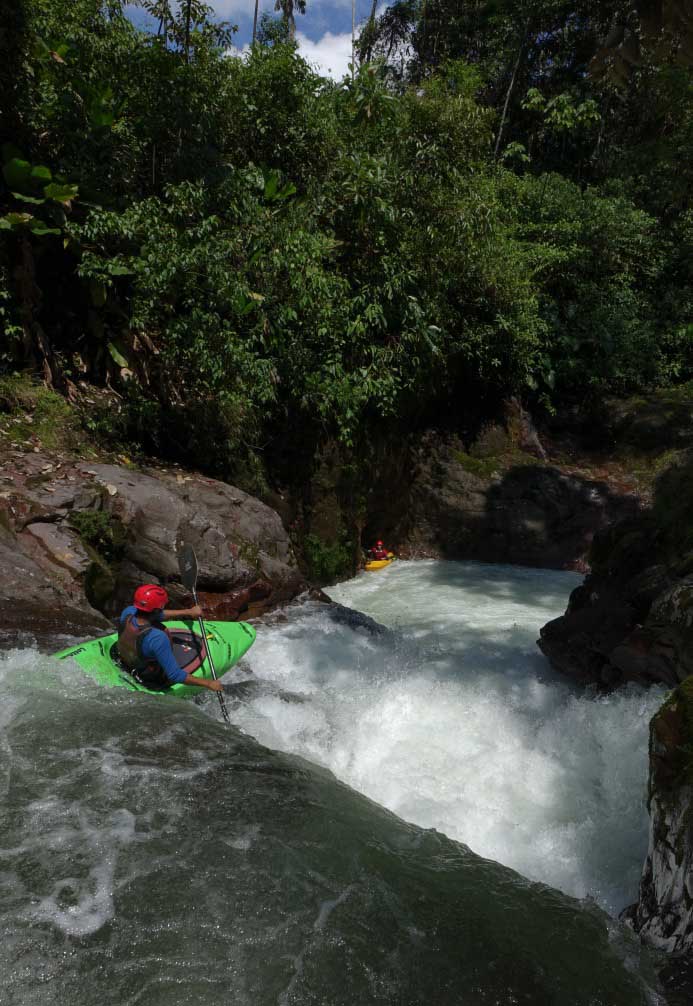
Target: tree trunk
[
  {"x": 188, "y": 19},
  {"x": 511, "y": 88},
  {"x": 13, "y": 78},
  {"x": 36, "y": 346},
  {"x": 368, "y": 52},
  {"x": 257, "y": 4}
]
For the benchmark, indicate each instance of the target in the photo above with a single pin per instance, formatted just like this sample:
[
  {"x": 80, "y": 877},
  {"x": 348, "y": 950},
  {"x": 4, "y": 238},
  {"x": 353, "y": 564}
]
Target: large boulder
[{"x": 78, "y": 537}]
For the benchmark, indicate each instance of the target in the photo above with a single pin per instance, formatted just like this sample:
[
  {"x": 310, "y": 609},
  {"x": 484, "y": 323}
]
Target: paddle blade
[{"x": 187, "y": 563}]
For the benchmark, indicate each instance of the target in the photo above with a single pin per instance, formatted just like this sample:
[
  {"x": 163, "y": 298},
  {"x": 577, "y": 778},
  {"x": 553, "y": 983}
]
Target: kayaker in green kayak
[{"x": 145, "y": 647}]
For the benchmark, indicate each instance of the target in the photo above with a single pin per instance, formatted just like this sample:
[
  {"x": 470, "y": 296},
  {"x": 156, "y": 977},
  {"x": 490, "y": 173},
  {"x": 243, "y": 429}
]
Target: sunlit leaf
[
  {"x": 28, "y": 199},
  {"x": 61, "y": 193},
  {"x": 40, "y": 229},
  {"x": 117, "y": 355},
  {"x": 40, "y": 173}
]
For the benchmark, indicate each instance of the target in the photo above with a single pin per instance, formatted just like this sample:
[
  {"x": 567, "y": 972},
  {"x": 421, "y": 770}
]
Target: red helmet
[
  {"x": 378, "y": 543},
  {"x": 150, "y": 597}
]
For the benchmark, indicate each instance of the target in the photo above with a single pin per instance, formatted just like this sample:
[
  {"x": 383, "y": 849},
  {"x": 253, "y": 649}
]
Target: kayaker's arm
[
  {"x": 158, "y": 647},
  {"x": 213, "y": 686},
  {"x": 169, "y": 613}
]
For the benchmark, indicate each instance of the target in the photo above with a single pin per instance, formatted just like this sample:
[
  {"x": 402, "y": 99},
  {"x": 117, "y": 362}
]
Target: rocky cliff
[
  {"x": 495, "y": 492},
  {"x": 632, "y": 620}
]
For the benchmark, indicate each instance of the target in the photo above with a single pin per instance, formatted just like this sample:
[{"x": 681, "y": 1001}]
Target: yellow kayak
[{"x": 375, "y": 564}]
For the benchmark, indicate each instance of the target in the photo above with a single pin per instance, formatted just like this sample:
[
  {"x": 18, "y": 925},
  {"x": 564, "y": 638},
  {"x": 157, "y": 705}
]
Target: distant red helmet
[
  {"x": 378, "y": 543},
  {"x": 150, "y": 597}
]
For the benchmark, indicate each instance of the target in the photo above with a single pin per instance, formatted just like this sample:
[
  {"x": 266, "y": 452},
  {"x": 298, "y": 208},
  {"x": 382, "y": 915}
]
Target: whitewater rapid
[
  {"x": 455, "y": 721},
  {"x": 149, "y": 854}
]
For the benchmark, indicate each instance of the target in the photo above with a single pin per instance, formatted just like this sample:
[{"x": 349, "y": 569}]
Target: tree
[{"x": 287, "y": 7}]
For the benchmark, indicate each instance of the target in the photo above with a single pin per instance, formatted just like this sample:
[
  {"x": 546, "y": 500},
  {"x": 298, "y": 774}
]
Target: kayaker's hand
[
  {"x": 195, "y": 611},
  {"x": 216, "y": 686}
]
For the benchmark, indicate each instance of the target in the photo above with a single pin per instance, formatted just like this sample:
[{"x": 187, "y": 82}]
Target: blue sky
[{"x": 323, "y": 33}]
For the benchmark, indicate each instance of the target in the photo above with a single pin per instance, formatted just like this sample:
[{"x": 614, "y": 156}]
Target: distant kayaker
[
  {"x": 144, "y": 645},
  {"x": 379, "y": 551}
]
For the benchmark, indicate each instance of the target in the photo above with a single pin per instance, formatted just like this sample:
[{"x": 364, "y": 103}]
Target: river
[{"x": 410, "y": 808}]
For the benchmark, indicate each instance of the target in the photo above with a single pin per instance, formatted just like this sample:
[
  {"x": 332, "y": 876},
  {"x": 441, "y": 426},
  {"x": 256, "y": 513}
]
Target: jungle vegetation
[{"x": 255, "y": 258}]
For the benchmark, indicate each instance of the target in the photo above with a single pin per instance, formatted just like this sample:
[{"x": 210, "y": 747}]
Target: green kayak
[{"x": 227, "y": 641}]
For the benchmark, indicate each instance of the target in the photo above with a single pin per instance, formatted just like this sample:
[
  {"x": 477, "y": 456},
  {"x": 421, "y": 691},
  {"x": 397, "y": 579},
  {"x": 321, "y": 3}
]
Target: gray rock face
[
  {"x": 631, "y": 620},
  {"x": 38, "y": 603},
  {"x": 663, "y": 914},
  {"x": 52, "y": 582},
  {"x": 531, "y": 514}
]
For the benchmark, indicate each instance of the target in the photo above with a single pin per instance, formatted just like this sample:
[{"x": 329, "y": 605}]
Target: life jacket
[
  {"x": 378, "y": 552},
  {"x": 146, "y": 671}
]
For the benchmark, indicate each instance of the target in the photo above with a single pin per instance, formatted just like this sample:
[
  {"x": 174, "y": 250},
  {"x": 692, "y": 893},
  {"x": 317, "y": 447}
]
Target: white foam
[
  {"x": 83, "y": 903},
  {"x": 457, "y": 723}
]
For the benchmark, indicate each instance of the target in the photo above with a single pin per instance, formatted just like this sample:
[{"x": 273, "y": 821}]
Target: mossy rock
[
  {"x": 673, "y": 506},
  {"x": 660, "y": 421},
  {"x": 483, "y": 468},
  {"x": 34, "y": 412},
  {"x": 671, "y": 741},
  {"x": 101, "y": 531},
  {"x": 249, "y": 553},
  {"x": 99, "y": 584},
  {"x": 493, "y": 441}
]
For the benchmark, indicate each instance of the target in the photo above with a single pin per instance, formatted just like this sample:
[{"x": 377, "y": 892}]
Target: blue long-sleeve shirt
[{"x": 157, "y": 646}]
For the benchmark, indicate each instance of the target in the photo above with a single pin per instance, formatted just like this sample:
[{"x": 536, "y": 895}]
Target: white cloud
[
  {"x": 232, "y": 8},
  {"x": 228, "y": 9},
  {"x": 330, "y": 55}
]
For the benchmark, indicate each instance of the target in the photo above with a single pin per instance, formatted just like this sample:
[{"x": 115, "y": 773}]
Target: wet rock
[
  {"x": 343, "y": 615},
  {"x": 36, "y": 607},
  {"x": 62, "y": 546},
  {"x": 663, "y": 914}
]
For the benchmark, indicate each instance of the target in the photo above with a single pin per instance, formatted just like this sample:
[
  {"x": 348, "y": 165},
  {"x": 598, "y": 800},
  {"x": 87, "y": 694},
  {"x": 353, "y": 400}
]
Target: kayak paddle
[{"x": 187, "y": 563}]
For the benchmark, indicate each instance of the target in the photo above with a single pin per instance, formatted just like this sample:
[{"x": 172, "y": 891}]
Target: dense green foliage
[{"x": 258, "y": 259}]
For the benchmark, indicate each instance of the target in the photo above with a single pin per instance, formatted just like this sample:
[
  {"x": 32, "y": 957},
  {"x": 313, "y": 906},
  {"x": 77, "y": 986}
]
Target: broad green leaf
[
  {"x": 117, "y": 355},
  {"x": 101, "y": 118},
  {"x": 17, "y": 172},
  {"x": 61, "y": 193},
  {"x": 28, "y": 199},
  {"x": 40, "y": 228},
  {"x": 19, "y": 219},
  {"x": 40, "y": 173},
  {"x": 271, "y": 185}
]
